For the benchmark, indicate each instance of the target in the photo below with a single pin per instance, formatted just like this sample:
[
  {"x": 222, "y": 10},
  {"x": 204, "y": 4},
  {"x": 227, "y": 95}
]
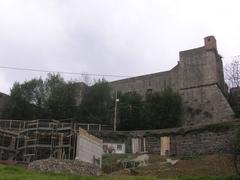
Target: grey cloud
[{"x": 129, "y": 37}]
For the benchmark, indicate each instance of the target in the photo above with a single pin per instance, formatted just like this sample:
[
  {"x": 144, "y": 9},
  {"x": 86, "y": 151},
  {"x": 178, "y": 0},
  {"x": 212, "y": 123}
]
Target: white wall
[
  {"x": 115, "y": 147},
  {"x": 88, "y": 148}
]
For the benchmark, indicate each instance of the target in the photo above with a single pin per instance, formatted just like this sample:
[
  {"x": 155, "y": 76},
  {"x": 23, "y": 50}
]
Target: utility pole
[{"x": 115, "y": 113}]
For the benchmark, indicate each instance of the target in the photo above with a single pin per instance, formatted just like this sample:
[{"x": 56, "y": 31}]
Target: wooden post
[
  {"x": 144, "y": 145},
  {"x": 69, "y": 149},
  {"x": 74, "y": 145}
]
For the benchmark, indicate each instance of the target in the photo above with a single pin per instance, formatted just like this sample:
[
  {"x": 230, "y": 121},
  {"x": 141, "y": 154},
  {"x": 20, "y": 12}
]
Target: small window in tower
[{"x": 209, "y": 39}]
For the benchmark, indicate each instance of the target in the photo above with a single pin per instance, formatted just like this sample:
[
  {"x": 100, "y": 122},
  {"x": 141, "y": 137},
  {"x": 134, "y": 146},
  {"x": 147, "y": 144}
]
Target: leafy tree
[
  {"x": 26, "y": 100},
  {"x": 163, "y": 109},
  {"x": 234, "y": 101},
  {"x": 157, "y": 111},
  {"x": 60, "y": 97},
  {"x": 130, "y": 111},
  {"x": 52, "y": 98},
  {"x": 97, "y": 103},
  {"x": 236, "y": 150}
]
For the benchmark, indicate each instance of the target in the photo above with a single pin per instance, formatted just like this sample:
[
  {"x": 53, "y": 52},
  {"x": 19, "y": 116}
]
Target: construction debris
[
  {"x": 139, "y": 161},
  {"x": 65, "y": 166},
  {"x": 142, "y": 160},
  {"x": 171, "y": 161}
]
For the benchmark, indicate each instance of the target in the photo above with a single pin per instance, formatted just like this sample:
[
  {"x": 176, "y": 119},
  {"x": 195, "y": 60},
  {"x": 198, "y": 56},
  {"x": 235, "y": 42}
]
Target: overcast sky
[{"x": 120, "y": 37}]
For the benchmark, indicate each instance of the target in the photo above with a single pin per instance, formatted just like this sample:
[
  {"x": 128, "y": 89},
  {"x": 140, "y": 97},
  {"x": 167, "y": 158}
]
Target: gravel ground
[{"x": 65, "y": 166}]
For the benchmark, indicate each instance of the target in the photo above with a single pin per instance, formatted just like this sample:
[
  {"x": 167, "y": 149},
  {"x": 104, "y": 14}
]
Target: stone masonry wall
[
  {"x": 205, "y": 105},
  {"x": 188, "y": 141},
  {"x": 198, "y": 67},
  {"x": 155, "y": 82},
  {"x": 198, "y": 77},
  {"x": 201, "y": 143}
]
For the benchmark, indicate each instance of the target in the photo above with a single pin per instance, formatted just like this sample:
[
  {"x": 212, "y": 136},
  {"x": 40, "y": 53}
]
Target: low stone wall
[
  {"x": 208, "y": 139},
  {"x": 201, "y": 143}
]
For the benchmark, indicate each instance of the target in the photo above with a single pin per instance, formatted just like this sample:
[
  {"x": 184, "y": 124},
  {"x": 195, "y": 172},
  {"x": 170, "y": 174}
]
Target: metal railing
[{"x": 19, "y": 125}]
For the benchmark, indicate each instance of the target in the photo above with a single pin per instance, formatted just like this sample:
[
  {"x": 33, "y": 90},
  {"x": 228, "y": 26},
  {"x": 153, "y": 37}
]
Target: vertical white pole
[{"x": 115, "y": 114}]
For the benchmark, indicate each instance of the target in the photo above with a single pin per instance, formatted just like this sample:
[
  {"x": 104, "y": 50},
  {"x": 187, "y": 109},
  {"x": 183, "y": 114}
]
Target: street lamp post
[{"x": 115, "y": 113}]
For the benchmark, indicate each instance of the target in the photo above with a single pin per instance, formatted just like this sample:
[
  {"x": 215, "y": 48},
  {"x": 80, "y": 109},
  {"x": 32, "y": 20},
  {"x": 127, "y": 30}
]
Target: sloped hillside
[{"x": 209, "y": 165}]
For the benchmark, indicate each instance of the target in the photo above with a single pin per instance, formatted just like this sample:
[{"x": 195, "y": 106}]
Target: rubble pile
[{"x": 65, "y": 166}]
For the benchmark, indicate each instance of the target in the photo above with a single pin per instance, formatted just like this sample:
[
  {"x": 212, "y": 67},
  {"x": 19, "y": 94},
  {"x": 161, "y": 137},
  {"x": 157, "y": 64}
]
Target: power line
[{"x": 61, "y": 72}]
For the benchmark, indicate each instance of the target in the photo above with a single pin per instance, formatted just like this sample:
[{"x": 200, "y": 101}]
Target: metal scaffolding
[
  {"x": 7, "y": 144},
  {"x": 43, "y": 138}
]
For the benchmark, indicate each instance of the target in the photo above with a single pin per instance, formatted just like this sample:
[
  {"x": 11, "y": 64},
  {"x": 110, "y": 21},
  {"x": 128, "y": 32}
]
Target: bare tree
[{"x": 232, "y": 72}]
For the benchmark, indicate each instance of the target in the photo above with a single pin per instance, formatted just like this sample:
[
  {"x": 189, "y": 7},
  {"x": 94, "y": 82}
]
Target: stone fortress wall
[{"x": 199, "y": 79}]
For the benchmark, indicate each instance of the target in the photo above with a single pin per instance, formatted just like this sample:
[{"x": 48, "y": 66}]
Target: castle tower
[
  {"x": 198, "y": 77},
  {"x": 201, "y": 66},
  {"x": 202, "y": 85},
  {"x": 210, "y": 43}
]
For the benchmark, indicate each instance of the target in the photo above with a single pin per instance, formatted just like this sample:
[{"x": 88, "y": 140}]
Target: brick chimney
[{"x": 210, "y": 43}]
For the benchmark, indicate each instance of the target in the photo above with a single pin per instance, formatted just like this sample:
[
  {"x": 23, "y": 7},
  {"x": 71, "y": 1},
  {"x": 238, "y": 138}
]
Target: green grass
[
  {"x": 112, "y": 158},
  {"x": 198, "y": 178},
  {"x": 20, "y": 173},
  {"x": 193, "y": 157},
  {"x": 8, "y": 172},
  {"x": 210, "y": 167}
]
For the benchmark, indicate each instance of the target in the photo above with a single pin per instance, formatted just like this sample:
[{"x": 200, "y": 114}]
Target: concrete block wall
[{"x": 89, "y": 148}]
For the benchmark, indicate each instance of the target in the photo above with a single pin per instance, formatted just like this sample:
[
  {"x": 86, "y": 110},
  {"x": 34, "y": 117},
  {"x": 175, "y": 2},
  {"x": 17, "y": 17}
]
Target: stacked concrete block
[{"x": 89, "y": 148}]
